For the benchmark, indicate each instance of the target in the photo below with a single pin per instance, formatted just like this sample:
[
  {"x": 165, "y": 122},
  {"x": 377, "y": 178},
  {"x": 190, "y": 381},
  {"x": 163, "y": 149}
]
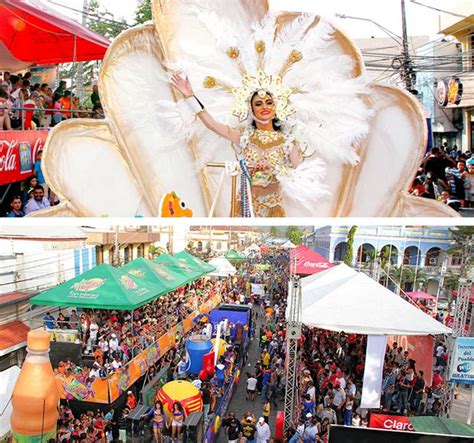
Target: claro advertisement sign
[
  {"x": 394, "y": 422},
  {"x": 345, "y": 434}
]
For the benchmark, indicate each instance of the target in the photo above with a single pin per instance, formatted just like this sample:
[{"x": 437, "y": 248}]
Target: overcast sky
[{"x": 421, "y": 21}]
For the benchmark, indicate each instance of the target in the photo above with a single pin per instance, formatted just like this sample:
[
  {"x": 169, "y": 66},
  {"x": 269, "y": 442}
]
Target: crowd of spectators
[
  {"x": 447, "y": 175},
  {"x": 25, "y": 105},
  {"x": 112, "y": 338},
  {"x": 107, "y": 338},
  {"x": 331, "y": 368}
]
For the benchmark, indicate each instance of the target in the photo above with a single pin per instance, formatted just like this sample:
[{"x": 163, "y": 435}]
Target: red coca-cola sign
[
  {"x": 314, "y": 265},
  {"x": 393, "y": 422},
  {"x": 18, "y": 152}
]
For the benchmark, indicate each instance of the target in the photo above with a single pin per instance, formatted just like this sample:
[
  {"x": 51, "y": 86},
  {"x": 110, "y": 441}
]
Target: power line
[
  {"x": 438, "y": 10},
  {"x": 94, "y": 15}
]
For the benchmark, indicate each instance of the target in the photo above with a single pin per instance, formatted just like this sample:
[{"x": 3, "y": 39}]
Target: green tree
[
  {"x": 155, "y": 251},
  {"x": 143, "y": 12},
  {"x": 401, "y": 276},
  {"x": 463, "y": 237},
  {"x": 294, "y": 234},
  {"x": 109, "y": 28},
  {"x": 350, "y": 246},
  {"x": 274, "y": 231}
]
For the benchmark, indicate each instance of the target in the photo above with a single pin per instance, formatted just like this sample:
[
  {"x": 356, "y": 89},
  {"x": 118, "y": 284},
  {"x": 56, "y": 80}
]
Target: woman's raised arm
[{"x": 183, "y": 85}]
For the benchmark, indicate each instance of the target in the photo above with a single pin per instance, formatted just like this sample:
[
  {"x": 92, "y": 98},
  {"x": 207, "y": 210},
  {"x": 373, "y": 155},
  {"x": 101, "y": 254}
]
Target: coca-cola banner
[
  {"x": 18, "y": 152},
  {"x": 395, "y": 422},
  {"x": 308, "y": 261}
]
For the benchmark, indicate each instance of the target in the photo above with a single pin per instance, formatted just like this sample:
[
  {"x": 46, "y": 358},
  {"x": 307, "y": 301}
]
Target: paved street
[
  {"x": 461, "y": 405},
  {"x": 239, "y": 404}
]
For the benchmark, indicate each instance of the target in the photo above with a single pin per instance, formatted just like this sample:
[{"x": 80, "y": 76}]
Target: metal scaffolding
[{"x": 293, "y": 334}]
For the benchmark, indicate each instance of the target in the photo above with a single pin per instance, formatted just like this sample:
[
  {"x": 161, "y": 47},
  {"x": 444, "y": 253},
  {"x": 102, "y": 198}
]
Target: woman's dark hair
[{"x": 276, "y": 123}]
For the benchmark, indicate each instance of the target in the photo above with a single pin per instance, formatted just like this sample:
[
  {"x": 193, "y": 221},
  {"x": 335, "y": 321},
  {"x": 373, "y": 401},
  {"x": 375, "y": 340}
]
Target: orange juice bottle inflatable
[{"x": 35, "y": 396}]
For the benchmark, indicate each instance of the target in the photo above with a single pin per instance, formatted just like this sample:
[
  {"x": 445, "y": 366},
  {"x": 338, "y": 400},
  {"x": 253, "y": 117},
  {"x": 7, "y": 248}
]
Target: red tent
[
  {"x": 308, "y": 261},
  {"x": 33, "y": 34},
  {"x": 420, "y": 295}
]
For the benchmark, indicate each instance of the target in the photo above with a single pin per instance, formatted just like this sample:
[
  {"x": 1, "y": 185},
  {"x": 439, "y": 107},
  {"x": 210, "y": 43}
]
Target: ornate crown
[{"x": 261, "y": 82}]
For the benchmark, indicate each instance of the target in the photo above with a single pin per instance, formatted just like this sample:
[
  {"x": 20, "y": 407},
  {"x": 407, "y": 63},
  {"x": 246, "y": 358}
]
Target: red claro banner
[
  {"x": 393, "y": 422},
  {"x": 18, "y": 152}
]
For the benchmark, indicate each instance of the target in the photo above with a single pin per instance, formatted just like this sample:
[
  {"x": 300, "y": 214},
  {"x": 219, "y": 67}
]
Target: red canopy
[
  {"x": 308, "y": 261},
  {"x": 37, "y": 35},
  {"x": 420, "y": 295}
]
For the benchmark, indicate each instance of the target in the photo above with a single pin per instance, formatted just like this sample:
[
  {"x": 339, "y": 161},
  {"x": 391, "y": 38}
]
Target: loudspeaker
[{"x": 194, "y": 428}]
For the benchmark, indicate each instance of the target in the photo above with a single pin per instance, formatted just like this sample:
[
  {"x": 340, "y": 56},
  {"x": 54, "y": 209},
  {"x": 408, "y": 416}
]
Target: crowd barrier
[{"x": 108, "y": 389}]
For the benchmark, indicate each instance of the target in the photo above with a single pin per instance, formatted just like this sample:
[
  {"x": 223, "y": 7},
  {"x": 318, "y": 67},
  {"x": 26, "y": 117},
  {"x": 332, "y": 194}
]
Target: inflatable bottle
[{"x": 35, "y": 396}]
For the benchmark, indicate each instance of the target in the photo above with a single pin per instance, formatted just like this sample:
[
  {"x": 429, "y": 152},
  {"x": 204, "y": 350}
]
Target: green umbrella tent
[
  {"x": 234, "y": 257},
  {"x": 193, "y": 261},
  {"x": 102, "y": 287},
  {"x": 155, "y": 272},
  {"x": 190, "y": 273}
]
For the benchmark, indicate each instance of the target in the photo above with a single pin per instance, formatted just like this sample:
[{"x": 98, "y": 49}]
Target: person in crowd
[
  {"x": 16, "y": 207},
  {"x": 232, "y": 427},
  {"x": 60, "y": 90},
  {"x": 177, "y": 420},
  {"x": 264, "y": 433},
  {"x": 158, "y": 419},
  {"x": 39, "y": 201},
  {"x": 95, "y": 97},
  {"x": 267, "y": 406},
  {"x": 251, "y": 387},
  {"x": 49, "y": 321}
]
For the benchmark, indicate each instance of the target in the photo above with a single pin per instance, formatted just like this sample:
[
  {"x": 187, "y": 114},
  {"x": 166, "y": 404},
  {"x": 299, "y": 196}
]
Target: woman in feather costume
[
  {"x": 264, "y": 151},
  {"x": 344, "y": 146}
]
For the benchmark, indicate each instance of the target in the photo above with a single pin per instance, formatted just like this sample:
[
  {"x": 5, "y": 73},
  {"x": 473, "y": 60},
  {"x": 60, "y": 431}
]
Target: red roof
[
  {"x": 35, "y": 33},
  {"x": 308, "y": 261},
  {"x": 12, "y": 334},
  {"x": 14, "y": 297}
]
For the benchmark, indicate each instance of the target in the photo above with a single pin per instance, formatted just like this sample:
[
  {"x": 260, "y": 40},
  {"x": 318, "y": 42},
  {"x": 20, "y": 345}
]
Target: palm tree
[{"x": 401, "y": 276}]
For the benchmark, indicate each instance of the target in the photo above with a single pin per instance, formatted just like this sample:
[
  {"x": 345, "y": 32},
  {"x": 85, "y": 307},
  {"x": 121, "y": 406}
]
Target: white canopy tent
[
  {"x": 251, "y": 250},
  {"x": 224, "y": 267},
  {"x": 341, "y": 299},
  {"x": 288, "y": 245},
  {"x": 8, "y": 380}
]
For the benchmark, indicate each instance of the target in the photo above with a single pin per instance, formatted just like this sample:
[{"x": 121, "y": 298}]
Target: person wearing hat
[
  {"x": 113, "y": 343},
  {"x": 249, "y": 429},
  {"x": 263, "y": 431},
  {"x": 131, "y": 400}
]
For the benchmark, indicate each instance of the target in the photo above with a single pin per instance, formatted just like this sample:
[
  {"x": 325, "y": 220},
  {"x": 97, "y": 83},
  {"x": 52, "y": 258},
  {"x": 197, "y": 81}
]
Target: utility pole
[
  {"x": 460, "y": 316},
  {"x": 407, "y": 70},
  {"x": 80, "y": 66},
  {"x": 116, "y": 257}
]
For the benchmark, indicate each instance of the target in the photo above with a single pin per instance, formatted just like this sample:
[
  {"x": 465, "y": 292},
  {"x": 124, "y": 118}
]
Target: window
[
  {"x": 219, "y": 245},
  {"x": 141, "y": 250},
  {"x": 99, "y": 251},
  {"x": 199, "y": 247}
]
